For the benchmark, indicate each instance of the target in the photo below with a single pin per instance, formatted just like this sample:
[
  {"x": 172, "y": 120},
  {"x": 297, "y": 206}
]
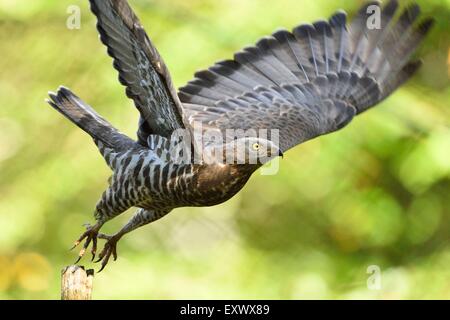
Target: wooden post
[{"x": 76, "y": 283}]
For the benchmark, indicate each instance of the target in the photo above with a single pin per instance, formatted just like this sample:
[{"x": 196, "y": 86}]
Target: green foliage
[{"x": 376, "y": 193}]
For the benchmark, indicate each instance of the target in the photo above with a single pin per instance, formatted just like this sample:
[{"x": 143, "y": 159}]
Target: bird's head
[{"x": 252, "y": 151}]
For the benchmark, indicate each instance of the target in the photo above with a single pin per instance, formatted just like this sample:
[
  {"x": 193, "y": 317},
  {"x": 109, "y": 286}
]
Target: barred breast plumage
[{"x": 147, "y": 178}]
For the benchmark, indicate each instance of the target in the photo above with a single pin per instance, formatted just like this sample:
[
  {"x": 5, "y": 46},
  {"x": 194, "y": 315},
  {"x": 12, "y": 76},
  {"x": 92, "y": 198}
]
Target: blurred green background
[{"x": 376, "y": 193}]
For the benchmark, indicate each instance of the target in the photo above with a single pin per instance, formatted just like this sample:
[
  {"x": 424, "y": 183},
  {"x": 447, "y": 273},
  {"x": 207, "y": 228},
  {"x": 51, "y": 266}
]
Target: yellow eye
[{"x": 255, "y": 146}]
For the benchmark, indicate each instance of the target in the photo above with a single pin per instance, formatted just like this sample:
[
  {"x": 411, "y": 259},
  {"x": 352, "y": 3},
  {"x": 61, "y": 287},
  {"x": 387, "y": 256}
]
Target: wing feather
[
  {"x": 140, "y": 67},
  {"x": 310, "y": 81}
]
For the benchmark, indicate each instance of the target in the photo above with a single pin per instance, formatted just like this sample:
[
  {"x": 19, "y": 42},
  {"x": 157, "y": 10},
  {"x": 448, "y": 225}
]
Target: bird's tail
[{"x": 85, "y": 117}]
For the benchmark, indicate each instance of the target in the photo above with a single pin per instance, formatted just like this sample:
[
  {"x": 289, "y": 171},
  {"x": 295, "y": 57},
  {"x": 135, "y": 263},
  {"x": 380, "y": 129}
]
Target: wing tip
[{"x": 339, "y": 18}]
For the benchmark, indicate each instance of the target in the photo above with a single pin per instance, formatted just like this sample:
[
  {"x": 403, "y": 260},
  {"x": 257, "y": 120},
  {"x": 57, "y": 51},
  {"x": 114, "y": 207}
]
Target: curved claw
[
  {"x": 114, "y": 253},
  {"x": 74, "y": 245},
  {"x": 78, "y": 260},
  {"x": 101, "y": 269},
  {"x": 104, "y": 262},
  {"x": 94, "y": 247},
  {"x": 80, "y": 255}
]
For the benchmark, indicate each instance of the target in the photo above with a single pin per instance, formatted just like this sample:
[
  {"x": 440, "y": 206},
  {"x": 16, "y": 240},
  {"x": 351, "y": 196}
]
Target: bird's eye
[{"x": 255, "y": 146}]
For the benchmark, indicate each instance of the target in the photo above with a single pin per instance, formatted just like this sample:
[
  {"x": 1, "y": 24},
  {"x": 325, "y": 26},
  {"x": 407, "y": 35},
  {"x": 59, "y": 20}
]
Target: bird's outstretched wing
[
  {"x": 310, "y": 81},
  {"x": 141, "y": 69}
]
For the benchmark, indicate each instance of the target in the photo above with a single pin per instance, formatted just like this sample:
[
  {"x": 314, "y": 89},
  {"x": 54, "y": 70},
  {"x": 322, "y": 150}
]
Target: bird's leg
[
  {"x": 90, "y": 234},
  {"x": 101, "y": 214},
  {"x": 139, "y": 219},
  {"x": 108, "y": 207}
]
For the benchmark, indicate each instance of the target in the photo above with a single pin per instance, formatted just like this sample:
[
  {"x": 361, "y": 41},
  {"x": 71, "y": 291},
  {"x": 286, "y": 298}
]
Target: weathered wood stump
[{"x": 76, "y": 283}]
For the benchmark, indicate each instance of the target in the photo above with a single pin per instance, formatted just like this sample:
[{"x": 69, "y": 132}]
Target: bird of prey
[{"x": 302, "y": 83}]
